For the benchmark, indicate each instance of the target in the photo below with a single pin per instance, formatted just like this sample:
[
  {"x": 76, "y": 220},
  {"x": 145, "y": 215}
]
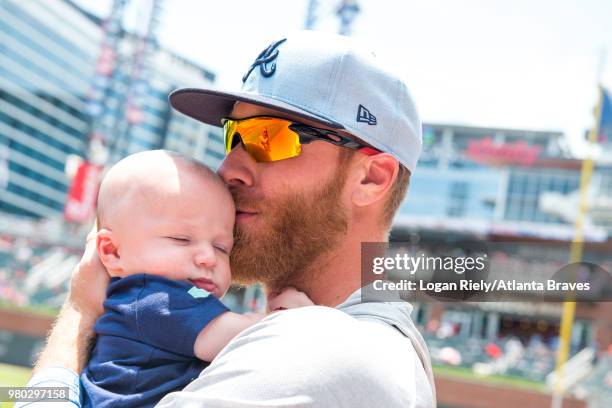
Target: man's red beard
[{"x": 293, "y": 231}]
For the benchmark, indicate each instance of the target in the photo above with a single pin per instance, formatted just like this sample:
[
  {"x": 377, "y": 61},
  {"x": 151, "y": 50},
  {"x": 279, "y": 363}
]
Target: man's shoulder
[
  {"x": 307, "y": 352},
  {"x": 325, "y": 319},
  {"x": 326, "y": 332},
  {"x": 311, "y": 320},
  {"x": 308, "y": 316}
]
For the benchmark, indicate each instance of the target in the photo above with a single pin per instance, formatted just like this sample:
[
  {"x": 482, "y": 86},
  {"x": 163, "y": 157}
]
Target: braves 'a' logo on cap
[
  {"x": 364, "y": 115},
  {"x": 267, "y": 56}
]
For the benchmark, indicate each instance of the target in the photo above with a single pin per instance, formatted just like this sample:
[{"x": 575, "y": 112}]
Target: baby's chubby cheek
[
  {"x": 157, "y": 262},
  {"x": 224, "y": 279}
]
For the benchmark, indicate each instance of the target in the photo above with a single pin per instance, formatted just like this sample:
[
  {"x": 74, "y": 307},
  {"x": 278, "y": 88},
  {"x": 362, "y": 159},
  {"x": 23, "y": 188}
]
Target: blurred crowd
[
  {"x": 532, "y": 359},
  {"x": 36, "y": 274}
]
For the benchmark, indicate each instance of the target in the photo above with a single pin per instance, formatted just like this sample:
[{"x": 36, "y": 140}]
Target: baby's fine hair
[{"x": 189, "y": 162}]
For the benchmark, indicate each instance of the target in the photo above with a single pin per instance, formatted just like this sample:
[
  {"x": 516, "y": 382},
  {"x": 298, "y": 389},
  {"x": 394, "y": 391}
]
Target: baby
[{"x": 165, "y": 225}]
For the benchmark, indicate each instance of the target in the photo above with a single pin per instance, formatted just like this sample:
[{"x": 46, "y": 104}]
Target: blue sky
[{"x": 517, "y": 64}]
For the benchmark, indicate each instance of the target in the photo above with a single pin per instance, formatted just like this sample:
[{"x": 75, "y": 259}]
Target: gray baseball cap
[{"x": 323, "y": 77}]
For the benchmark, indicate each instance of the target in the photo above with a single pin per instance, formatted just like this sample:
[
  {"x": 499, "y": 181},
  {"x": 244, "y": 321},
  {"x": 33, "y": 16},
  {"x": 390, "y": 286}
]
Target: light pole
[
  {"x": 311, "y": 14},
  {"x": 348, "y": 11}
]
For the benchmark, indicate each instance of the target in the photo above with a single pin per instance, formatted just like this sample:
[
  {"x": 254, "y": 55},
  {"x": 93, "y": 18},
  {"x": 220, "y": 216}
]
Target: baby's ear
[{"x": 108, "y": 251}]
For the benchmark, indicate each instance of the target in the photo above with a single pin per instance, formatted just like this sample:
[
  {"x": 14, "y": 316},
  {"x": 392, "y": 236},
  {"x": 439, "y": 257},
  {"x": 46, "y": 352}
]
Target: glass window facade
[
  {"x": 41, "y": 119},
  {"x": 45, "y": 74},
  {"x": 458, "y": 195},
  {"x": 450, "y": 184},
  {"x": 432, "y": 146},
  {"x": 466, "y": 193},
  {"x": 527, "y": 185}
]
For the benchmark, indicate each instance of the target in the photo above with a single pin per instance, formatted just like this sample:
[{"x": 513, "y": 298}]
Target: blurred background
[{"x": 514, "y": 100}]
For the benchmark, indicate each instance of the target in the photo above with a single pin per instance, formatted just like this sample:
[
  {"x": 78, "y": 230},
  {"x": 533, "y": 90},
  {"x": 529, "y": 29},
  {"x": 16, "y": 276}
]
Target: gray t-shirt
[{"x": 356, "y": 355}]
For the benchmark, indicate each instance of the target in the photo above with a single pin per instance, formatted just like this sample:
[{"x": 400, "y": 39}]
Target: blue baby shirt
[{"x": 146, "y": 336}]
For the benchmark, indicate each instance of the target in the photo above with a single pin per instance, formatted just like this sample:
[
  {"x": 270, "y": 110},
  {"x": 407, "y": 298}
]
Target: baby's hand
[{"x": 288, "y": 298}]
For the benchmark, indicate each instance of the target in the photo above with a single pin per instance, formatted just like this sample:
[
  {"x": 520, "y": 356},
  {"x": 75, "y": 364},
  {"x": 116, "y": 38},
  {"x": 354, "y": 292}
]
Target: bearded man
[{"x": 320, "y": 144}]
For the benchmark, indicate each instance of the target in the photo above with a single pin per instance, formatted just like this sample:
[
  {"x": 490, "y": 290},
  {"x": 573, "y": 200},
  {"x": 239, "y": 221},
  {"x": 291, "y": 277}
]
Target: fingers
[
  {"x": 91, "y": 235},
  {"x": 288, "y": 298},
  {"x": 271, "y": 295},
  {"x": 89, "y": 279}
]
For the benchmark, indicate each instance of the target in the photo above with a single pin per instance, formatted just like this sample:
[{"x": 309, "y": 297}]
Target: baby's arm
[
  {"x": 220, "y": 331},
  {"x": 227, "y": 325}
]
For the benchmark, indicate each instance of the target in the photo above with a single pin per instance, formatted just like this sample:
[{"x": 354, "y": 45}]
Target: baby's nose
[{"x": 205, "y": 256}]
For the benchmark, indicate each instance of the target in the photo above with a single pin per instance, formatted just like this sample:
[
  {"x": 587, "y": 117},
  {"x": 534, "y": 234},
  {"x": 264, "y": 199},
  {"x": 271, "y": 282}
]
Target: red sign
[
  {"x": 83, "y": 194},
  {"x": 485, "y": 151}
]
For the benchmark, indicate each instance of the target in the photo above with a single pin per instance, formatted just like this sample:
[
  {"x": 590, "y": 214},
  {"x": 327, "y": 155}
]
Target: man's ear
[
  {"x": 108, "y": 251},
  {"x": 377, "y": 176}
]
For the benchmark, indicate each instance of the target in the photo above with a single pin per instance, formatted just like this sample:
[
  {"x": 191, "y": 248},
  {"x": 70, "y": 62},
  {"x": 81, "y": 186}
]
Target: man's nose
[
  {"x": 205, "y": 256},
  {"x": 238, "y": 168}
]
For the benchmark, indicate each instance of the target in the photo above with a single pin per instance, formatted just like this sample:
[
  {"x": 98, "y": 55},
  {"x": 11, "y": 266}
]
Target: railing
[{"x": 575, "y": 369}]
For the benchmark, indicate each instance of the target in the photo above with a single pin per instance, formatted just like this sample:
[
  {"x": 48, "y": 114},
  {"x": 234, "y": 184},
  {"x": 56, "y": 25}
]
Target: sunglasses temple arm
[{"x": 370, "y": 151}]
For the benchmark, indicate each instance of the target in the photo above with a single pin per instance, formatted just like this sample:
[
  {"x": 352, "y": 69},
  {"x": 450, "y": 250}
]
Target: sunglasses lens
[
  {"x": 229, "y": 131},
  {"x": 265, "y": 139}
]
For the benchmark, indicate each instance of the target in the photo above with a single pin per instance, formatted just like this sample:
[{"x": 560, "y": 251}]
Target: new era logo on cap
[{"x": 364, "y": 115}]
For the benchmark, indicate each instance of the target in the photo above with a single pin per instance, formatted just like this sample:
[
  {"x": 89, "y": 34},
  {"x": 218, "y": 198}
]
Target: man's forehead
[{"x": 246, "y": 110}]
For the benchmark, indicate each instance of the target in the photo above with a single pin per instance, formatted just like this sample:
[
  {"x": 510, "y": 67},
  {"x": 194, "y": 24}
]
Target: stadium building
[
  {"x": 516, "y": 187},
  {"x": 48, "y": 59},
  {"x": 482, "y": 179},
  {"x": 514, "y": 191}
]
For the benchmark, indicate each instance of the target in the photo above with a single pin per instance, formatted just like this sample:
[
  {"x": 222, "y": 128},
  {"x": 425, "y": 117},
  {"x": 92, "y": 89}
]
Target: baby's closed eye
[
  {"x": 222, "y": 248},
  {"x": 180, "y": 239}
]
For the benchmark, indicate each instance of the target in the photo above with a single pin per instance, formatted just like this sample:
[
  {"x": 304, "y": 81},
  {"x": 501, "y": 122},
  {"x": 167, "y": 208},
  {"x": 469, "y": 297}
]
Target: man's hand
[
  {"x": 89, "y": 280},
  {"x": 288, "y": 298},
  {"x": 70, "y": 339}
]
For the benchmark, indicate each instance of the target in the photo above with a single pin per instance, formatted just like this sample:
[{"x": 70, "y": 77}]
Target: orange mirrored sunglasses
[{"x": 269, "y": 139}]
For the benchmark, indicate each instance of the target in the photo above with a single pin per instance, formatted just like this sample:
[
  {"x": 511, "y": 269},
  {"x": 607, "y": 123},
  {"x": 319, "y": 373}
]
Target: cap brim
[{"x": 210, "y": 106}]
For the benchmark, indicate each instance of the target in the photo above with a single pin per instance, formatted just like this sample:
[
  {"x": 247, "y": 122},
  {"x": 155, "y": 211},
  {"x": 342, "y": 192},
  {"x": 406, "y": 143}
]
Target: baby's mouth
[{"x": 203, "y": 283}]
